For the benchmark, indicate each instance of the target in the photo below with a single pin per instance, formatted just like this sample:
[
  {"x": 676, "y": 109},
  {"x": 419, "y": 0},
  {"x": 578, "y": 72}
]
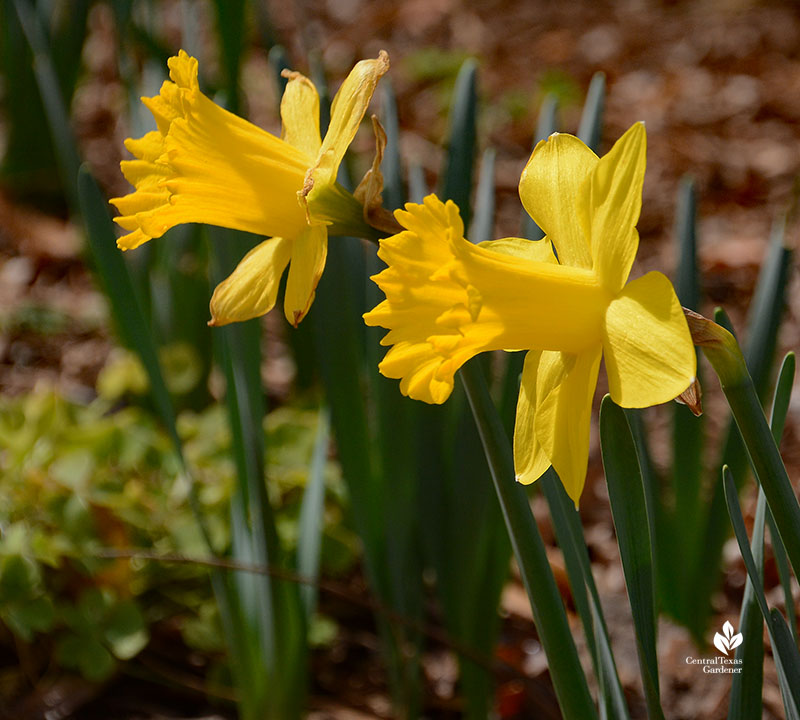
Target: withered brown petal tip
[
  {"x": 692, "y": 397},
  {"x": 701, "y": 328}
]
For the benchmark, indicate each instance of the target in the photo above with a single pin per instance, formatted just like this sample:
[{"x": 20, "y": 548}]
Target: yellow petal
[
  {"x": 537, "y": 250},
  {"x": 206, "y": 165},
  {"x": 251, "y": 289},
  {"x": 309, "y": 250},
  {"x": 649, "y": 354},
  {"x": 615, "y": 188},
  {"x": 530, "y": 460},
  {"x": 347, "y": 111},
  {"x": 419, "y": 368},
  {"x": 300, "y": 114},
  {"x": 551, "y": 189},
  {"x": 564, "y": 391}
]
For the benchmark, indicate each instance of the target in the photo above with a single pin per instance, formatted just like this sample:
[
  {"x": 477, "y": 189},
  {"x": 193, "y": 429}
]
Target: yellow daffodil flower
[
  {"x": 447, "y": 300},
  {"x": 203, "y": 164}
]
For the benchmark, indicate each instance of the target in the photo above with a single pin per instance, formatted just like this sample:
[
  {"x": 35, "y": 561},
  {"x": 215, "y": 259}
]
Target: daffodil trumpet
[
  {"x": 203, "y": 164},
  {"x": 565, "y": 299}
]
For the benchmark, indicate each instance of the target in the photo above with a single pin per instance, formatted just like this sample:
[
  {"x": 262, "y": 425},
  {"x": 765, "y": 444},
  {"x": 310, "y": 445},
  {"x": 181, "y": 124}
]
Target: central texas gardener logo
[{"x": 728, "y": 640}]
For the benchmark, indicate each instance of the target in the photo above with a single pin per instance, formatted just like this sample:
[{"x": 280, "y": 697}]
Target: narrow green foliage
[
  {"x": 233, "y": 38},
  {"x": 482, "y": 226},
  {"x": 86, "y": 198},
  {"x": 682, "y": 526},
  {"x": 68, "y": 31},
  {"x": 783, "y": 394},
  {"x": 44, "y": 69},
  {"x": 174, "y": 284},
  {"x": 746, "y": 687},
  {"x": 687, "y": 277},
  {"x": 547, "y": 122},
  {"x": 54, "y": 40},
  {"x": 784, "y": 573},
  {"x": 312, "y": 516},
  {"x": 650, "y": 481},
  {"x": 457, "y": 179},
  {"x": 766, "y": 309},
  {"x": 786, "y": 656},
  {"x": 780, "y": 408},
  {"x": 629, "y": 510},
  {"x": 417, "y": 185},
  {"x": 762, "y": 327},
  {"x": 279, "y": 61},
  {"x": 342, "y": 364},
  {"x": 125, "y": 303},
  {"x": 270, "y": 617},
  {"x": 566, "y": 673},
  {"x": 569, "y": 533},
  {"x": 789, "y": 666},
  {"x": 723, "y": 353},
  {"x": 392, "y": 169},
  {"x": 722, "y": 319},
  {"x": 590, "y": 129}
]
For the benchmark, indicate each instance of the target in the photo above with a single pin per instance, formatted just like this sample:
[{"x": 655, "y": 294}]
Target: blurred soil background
[{"x": 718, "y": 85}]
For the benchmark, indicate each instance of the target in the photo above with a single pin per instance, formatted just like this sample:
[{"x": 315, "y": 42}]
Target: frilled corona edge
[
  {"x": 204, "y": 164},
  {"x": 447, "y": 300}
]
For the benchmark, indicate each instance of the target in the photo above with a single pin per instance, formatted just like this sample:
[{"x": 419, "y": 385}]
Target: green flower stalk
[{"x": 725, "y": 356}]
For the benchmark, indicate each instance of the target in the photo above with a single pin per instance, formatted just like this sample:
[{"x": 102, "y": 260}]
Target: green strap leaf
[
  {"x": 725, "y": 357},
  {"x": 766, "y": 310},
  {"x": 233, "y": 38},
  {"x": 391, "y": 167},
  {"x": 271, "y": 620},
  {"x": 463, "y": 138},
  {"x": 780, "y": 408},
  {"x": 629, "y": 510},
  {"x": 566, "y": 673},
  {"x": 312, "y": 510},
  {"x": 789, "y": 666},
  {"x": 786, "y": 656},
  {"x": 279, "y": 61},
  {"x": 569, "y": 533},
  {"x": 590, "y": 129},
  {"x": 417, "y": 185},
  {"x": 482, "y": 227},
  {"x": 684, "y": 525},
  {"x": 746, "y": 687}
]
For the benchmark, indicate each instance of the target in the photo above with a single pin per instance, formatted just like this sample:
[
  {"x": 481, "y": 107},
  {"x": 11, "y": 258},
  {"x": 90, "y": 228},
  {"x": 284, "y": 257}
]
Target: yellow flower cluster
[{"x": 565, "y": 299}]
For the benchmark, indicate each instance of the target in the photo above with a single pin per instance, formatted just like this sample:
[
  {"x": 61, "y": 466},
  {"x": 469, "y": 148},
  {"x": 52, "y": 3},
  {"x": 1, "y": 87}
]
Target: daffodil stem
[
  {"x": 566, "y": 672},
  {"x": 725, "y": 356}
]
